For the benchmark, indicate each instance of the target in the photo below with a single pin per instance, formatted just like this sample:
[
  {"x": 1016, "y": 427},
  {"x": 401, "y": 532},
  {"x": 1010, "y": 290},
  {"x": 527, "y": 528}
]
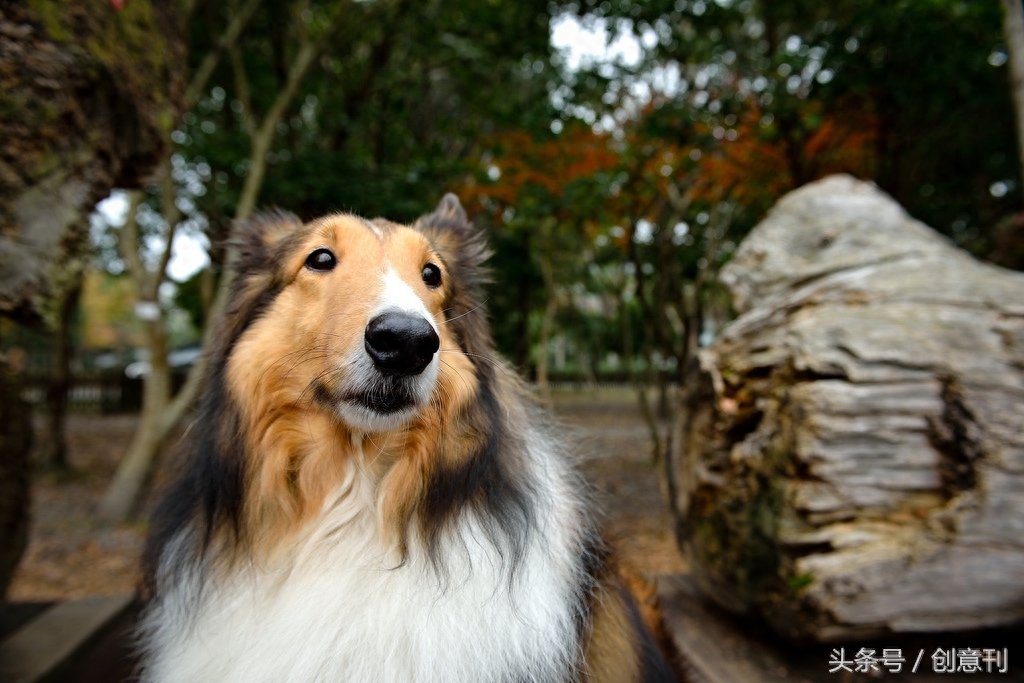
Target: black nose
[{"x": 401, "y": 344}]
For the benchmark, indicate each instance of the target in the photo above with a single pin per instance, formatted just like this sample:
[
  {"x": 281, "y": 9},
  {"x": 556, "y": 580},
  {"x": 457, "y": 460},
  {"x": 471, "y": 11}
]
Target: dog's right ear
[
  {"x": 260, "y": 246},
  {"x": 258, "y": 241}
]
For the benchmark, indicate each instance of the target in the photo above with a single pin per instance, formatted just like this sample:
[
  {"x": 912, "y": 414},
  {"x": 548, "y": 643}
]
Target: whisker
[
  {"x": 436, "y": 404},
  {"x": 283, "y": 359},
  {"x": 478, "y": 306},
  {"x": 310, "y": 386},
  {"x": 456, "y": 372},
  {"x": 493, "y": 361},
  {"x": 440, "y": 408},
  {"x": 380, "y": 449}
]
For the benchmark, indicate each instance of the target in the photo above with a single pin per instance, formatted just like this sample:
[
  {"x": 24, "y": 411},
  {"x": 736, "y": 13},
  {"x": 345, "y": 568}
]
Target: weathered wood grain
[{"x": 850, "y": 456}]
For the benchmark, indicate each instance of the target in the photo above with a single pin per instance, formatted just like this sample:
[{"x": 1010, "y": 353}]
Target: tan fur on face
[{"x": 300, "y": 449}]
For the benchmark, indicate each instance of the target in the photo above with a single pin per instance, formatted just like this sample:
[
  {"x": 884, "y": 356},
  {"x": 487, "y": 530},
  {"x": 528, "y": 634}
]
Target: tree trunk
[
  {"x": 55, "y": 449},
  {"x": 93, "y": 119},
  {"x": 651, "y": 420},
  {"x": 98, "y": 90},
  {"x": 626, "y": 326},
  {"x": 849, "y": 459},
  {"x": 1014, "y": 29},
  {"x": 550, "y": 310},
  {"x": 664, "y": 396},
  {"x": 155, "y": 422},
  {"x": 160, "y": 413},
  {"x": 15, "y": 444}
]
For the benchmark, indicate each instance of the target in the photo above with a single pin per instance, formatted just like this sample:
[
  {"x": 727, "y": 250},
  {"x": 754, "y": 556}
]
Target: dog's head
[
  {"x": 368, "y": 321},
  {"x": 342, "y": 332},
  {"x": 349, "y": 341}
]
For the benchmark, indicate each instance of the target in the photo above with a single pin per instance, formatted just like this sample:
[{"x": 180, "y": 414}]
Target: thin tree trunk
[
  {"x": 227, "y": 41},
  {"x": 626, "y": 321},
  {"x": 264, "y": 135},
  {"x": 119, "y": 501},
  {"x": 522, "y": 326},
  {"x": 160, "y": 412},
  {"x": 550, "y": 310},
  {"x": 15, "y": 444},
  {"x": 55, "y": 455},
  {"x": 648, "y": 414},
  {"x": 652, "y": 337},
  {"x": 154, "y": 423},
  {"x": 1014, "y": 29}
]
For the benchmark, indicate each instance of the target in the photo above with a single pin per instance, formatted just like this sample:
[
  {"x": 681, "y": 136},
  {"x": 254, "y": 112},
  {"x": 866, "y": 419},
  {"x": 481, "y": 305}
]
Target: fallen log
[{"x": 849, "y": 457}]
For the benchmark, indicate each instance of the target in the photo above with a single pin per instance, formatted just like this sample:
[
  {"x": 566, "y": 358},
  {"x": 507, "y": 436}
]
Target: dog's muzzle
[{"x": 400, "y": 344}]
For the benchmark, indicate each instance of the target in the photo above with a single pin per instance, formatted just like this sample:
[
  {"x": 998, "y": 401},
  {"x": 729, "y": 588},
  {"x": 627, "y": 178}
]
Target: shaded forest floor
[{"x": 70, "y": 555}]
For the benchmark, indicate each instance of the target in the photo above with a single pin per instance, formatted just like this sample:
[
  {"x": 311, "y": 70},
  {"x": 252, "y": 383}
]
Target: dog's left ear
[{"x": 450, "y": 231}]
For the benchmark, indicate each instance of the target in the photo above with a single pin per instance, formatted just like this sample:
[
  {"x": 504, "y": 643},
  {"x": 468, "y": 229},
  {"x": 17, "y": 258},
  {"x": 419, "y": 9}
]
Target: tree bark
[
  {"x": 1013, "y": 26},
  {"x": 849, "y": 458},
  {"x": 86, "y": 120},
  {"x": 55, "y": 449},
  {"x": 15, "y": 444},
  {"x": 87, "y": 98},
  {"x": 160, "y": 411}
]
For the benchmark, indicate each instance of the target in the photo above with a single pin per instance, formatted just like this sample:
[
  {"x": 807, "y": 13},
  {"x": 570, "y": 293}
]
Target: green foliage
[
  {"x": 49, "y": 13},
  {"x": 414, "y": 99},
  {"x": 392, "y": 116},
  {"x": 915, "y": 75}
]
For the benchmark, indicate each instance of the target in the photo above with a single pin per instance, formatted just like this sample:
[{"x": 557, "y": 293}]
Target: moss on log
[{"x": 88, "y": 97}]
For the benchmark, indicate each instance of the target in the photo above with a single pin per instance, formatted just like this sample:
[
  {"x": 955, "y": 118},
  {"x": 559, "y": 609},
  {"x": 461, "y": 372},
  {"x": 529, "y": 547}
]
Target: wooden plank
[
  {"x": 722, "y": 648},
  {"x": 711, "y": 645},
  {"x": 39, "y": 648}
]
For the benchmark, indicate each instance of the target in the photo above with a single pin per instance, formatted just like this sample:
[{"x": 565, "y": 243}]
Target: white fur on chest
[{"x": 340, "y": 610}]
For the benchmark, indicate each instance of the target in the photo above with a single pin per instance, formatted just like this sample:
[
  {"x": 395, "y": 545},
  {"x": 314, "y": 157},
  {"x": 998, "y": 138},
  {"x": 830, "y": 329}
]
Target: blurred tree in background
[
  {"x": 86, "y": 96},
  {"x": 909, "y": 94},
  {"x": 612, "y": 190},
  {"x": 733, "y": 103}
]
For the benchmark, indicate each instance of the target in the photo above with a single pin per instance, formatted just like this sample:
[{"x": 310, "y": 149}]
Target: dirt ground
[
  {"x": 616, "y": 458},
  {"x": 70, "y": 555}
]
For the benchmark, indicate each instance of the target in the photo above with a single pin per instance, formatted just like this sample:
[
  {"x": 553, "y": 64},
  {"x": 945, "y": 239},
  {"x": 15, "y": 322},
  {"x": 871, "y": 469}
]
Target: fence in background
[{"x": 107, "y": 393}]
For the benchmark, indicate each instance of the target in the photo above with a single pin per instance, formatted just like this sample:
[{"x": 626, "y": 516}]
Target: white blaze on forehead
[{"x": 399, "y": 296}]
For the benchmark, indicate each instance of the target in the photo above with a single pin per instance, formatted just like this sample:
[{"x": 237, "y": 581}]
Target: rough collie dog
[{"x": 370, "y": 495}]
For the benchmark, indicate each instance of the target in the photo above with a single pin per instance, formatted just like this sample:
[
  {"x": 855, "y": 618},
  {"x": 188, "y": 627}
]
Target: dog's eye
[
  {"x": 431, "y": 275},
  {"x": 321, "y": 260}
]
